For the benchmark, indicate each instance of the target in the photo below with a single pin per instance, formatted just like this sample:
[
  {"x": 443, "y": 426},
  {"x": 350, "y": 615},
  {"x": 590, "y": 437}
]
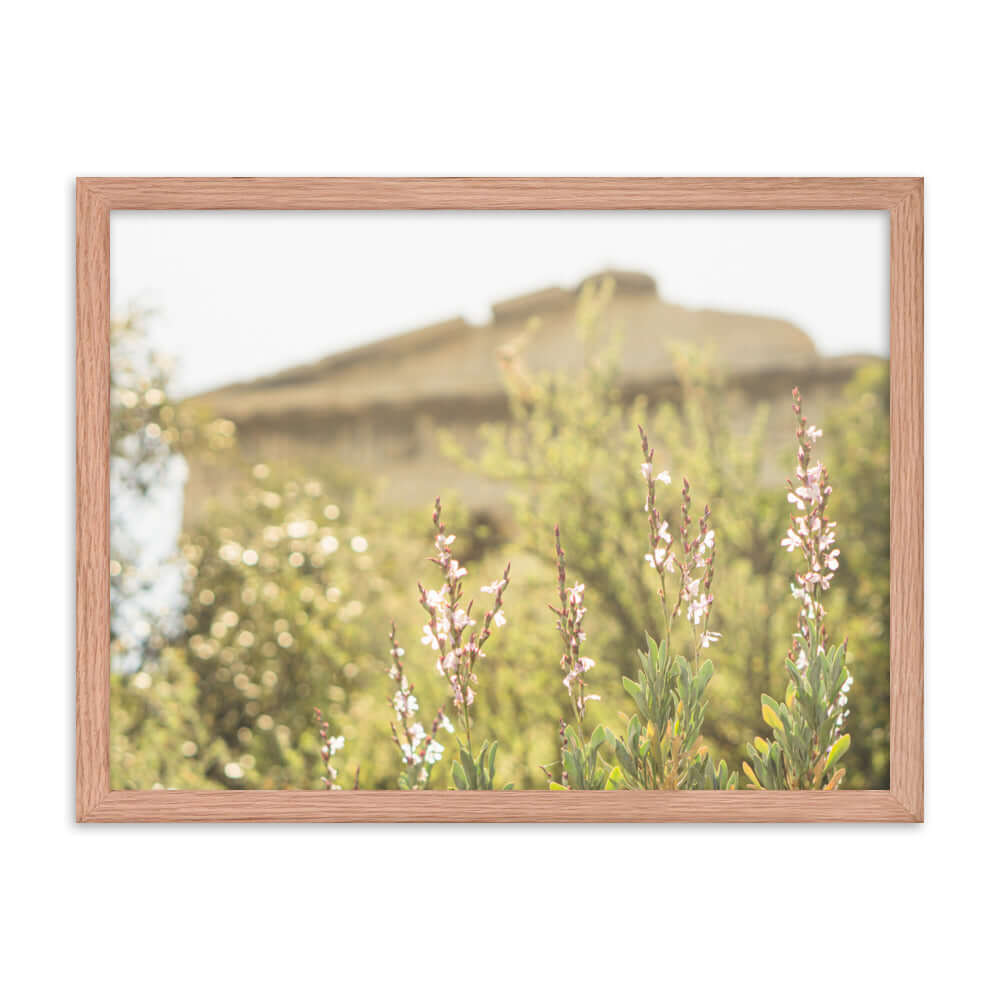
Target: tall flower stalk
[
  {"x": 569, "y": 622},
  {"x": 582, "y": 766},
  {"x": 328, "y": 746},
  {"x": 812, "y": 532},
  {"x": 695, "y": 552},
  {"x": 450, "y": 632},
  {"x": 808, "y": 738},
  {"x": 662, "y": 747},
  {"x": 419, "y": 749}
]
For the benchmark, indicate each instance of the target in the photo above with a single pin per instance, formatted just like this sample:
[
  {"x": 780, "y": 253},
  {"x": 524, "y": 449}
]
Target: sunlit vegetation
[{"x": 297, "y": 591}]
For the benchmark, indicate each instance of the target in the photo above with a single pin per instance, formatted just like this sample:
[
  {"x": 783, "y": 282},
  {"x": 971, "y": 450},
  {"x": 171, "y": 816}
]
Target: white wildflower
[
  {"x": 461, "y": 620},
  {"x": 657, "y": 559},
  {"x": 404, "y": 705},
  {"x": 791, "y": 541},
  {"x": 698, "y": 608}
]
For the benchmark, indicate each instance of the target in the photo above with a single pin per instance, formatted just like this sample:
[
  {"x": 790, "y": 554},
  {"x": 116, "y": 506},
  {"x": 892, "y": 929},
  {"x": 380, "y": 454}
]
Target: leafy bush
[
  {"x": 159, "y": 738},
  {"x": 283, "y": 592}
]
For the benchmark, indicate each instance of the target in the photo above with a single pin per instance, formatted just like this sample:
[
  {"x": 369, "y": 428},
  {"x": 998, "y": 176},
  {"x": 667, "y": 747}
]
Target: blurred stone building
[{"x": 377, "y": 408}]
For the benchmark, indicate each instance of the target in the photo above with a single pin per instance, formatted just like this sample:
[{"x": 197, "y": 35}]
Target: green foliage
[
  {"x": 284, "y": 614},
  {"x": 568, "y": 457},
  {"x": 705, "y": 774},
  {"x": 857, "y": 448},
  {"x": 285, "y": 586},
  {"x": 583, "y": 767},
  {"x": 807, "y": 744},
  {"x": 158, "y": 736},
  {"x": 475, "y": 773},
  {"x": 730, "y": 463},
  {"x": 808, "y": 728},
  {"x": 662, "y": 740}
]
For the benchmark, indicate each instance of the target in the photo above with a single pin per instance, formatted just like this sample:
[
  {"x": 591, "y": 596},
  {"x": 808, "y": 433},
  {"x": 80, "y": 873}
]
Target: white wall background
[{"x": 248, "y": 88}]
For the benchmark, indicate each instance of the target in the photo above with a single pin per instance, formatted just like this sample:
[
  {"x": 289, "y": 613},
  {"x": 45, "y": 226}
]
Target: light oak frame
[{"x": 96, "y": 198}]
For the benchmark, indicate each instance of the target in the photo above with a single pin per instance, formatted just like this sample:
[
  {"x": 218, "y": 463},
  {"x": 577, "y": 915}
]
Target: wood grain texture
[
  {"x": 503, "y": 193},
  {"x": 901, "y": 197},
  {"x": 500, "y": 807},
  {"x": 906, "y": 503},
  {"x": 93, "y": 544}
]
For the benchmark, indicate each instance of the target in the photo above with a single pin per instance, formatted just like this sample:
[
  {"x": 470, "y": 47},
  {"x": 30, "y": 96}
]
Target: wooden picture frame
[{"x": 902, "y": 198}]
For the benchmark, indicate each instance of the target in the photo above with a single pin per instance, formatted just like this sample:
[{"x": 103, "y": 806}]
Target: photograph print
[{"x": 484, "y": 500}]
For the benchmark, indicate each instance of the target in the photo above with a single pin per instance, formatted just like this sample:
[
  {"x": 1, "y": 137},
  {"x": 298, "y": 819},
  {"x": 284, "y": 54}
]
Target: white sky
[{"x": 241, "y": 294}]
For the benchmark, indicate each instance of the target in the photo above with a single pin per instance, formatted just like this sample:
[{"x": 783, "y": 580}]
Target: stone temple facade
[{"x": 377, "y": 407}]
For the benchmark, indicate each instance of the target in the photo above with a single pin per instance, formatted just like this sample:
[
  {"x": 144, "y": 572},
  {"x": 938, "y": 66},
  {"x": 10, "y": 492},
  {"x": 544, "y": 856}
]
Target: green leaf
[
  {"x": 573, "y": 770},
  {"x": 838, "y": 750},
  {"x": 615, "y": 779},
  {"x": 771, "y": 718},
  {"x": 705, "y": 674},
  {"x": 766, "y": 699},
  {"x": 458, "y": 777},
  {"x": 625, "y": 759}
]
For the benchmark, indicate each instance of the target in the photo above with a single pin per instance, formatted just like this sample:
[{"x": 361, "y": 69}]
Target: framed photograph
[{"x": 500, "y": 499}]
